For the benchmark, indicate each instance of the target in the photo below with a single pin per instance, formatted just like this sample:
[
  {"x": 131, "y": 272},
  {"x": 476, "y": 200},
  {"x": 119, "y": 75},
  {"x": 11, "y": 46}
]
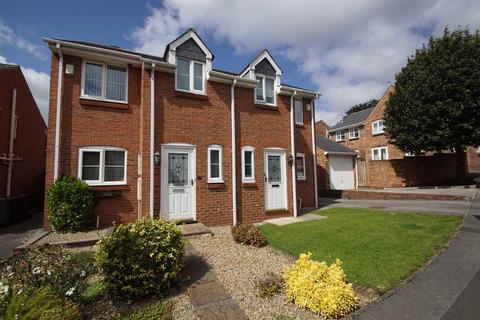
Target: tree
[
  {"x": 362, "y": 106},
  {"x": 436, "y": 103}
]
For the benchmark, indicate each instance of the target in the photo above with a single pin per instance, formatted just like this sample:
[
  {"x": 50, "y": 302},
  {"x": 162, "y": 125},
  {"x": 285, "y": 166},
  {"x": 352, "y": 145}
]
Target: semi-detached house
[{"x": 173, "y": 137}]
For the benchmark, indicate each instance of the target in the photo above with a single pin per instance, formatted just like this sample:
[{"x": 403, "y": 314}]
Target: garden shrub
[
  {"x": 141, "y": 258},
  {"x": 41, "y": 267},
  {"x": 319, "y": 287},
  {"x": 70, "y": 204},
  {"x": 248, "y": 234},
  {"x": 270, "y": 286},
  {"x": 41, "y": 304},
  {"x": 155, "y": 311}
]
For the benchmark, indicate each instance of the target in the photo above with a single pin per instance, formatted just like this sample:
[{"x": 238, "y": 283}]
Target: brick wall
[
  {"x": 179, "y": 118},
  {"x": 473, "y": 159},
  {"x": 437, "y": 169},
  {"x": 29, "y": 145}
]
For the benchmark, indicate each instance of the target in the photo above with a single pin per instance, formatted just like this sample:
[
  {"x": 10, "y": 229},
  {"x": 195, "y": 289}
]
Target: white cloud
[
  {"x": 350, "y": 49},
  {"x": 3, "y": 59},
  {"x": 8, "y": 36},
  {"x": 39, "y": 84}
]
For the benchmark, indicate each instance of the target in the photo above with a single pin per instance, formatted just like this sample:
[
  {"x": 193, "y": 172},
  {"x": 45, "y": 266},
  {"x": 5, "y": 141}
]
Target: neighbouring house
[
  {"x": 22, "y": 147},
  {"x": 380, "y": 164},
  {"x": 171, "y": 136},
  {"x": 473, "y": 159}
]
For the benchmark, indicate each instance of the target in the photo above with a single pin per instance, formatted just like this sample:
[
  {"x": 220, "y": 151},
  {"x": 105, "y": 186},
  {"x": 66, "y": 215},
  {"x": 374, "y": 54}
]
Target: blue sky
[{"x": 348, "y": 50}]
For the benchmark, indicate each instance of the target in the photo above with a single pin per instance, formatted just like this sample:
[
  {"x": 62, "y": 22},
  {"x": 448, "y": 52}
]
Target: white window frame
[
  {"x": 104, "y": 82},
  {"x": 338, "y": 135},
  {"x": 218, "y": 179},
  {"x": 101, "y": 174},
  {"x": 380, "y": 151},
  {"x": 246, "y": 179},
  {"x": 298, "y": 115},
  {"x": 304, "y": 175},
  {"x": 351, "y": 130},
  {"x": 264, "y": 101},
  {"x": 380, "y": 129},
  {"x": 191, "y": 77}
]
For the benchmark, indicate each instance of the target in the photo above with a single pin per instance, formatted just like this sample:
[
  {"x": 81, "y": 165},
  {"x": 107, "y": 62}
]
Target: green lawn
[{"x": 378, "y": 249}]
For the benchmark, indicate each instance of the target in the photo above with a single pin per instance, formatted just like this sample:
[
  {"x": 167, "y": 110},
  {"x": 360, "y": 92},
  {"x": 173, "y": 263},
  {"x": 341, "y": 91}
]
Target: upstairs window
[
  {"x": 248, "y": 164},
  {"x": 300, "y": 166},
  {"x": 102, "y": 165},
  {"x": 265, "y": 90},
  {"x": 340, "y": 135},
  {"x": 353, "y": 133},
  {"x": 214, "y": 163},
  {"x": 190, "y": 76},
  {"x": 103, "y": 81},
  {"x": 298, "y": 111},
  {"x": 378, "y": 127},
  {"x": 380, "y": 153}
]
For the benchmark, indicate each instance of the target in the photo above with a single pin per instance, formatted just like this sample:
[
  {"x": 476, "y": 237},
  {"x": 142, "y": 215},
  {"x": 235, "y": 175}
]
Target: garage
[
  {"x": 335, "y": 165},
  {"x": 342, "y": 172}
]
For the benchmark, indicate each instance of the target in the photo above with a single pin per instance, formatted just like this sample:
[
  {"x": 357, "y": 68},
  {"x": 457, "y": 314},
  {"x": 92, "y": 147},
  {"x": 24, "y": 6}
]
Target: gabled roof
[
  {"x": 356, "y": 118},
  {"x": 262, "y": 55},
  {"x": 330, "y": 146},
  {"x": 111, "y": 47},
  {"x": 190, "y": 33}
]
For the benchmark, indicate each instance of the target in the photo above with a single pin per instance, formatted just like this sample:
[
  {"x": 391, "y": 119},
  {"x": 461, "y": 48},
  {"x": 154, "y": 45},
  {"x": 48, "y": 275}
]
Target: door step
[{"x": 195, "y": 230}]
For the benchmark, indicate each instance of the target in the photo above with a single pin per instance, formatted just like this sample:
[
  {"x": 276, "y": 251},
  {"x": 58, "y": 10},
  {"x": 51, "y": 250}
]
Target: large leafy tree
[{"x": 436, "y": 103}]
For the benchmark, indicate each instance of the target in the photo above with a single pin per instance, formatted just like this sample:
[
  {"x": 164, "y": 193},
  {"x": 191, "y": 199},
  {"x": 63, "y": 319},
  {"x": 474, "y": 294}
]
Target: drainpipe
[
  {"x": 152, "y": 132},
  {"x": 292, "y": 139},
  {"x": 10, "y": 147},
  {"x": 234, "y": 160},
  {"x": 314, "y": 147},
  {"x": 58, "y": 115}
]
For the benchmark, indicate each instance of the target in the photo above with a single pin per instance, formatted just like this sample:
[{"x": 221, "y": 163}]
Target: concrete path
[
  {"x": 289, "y": 220},
  {"x": 13, "y": 236},
  {"x": 208, "y": 296},
  {"x": 447, "y": 289},
  {"x": 422, "y": 206}
]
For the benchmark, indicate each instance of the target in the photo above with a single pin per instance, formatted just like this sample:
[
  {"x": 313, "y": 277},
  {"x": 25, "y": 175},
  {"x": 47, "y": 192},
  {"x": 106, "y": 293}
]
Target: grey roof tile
[
  {"x": 354, "y": 118},
  {"x": 331, "y": 146}
]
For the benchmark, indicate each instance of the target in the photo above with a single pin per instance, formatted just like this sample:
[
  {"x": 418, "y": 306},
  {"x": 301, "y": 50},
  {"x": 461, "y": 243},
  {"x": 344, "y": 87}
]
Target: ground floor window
[
  {"x": 214, "y": 156},
  {"x": 380, "y": 153},
  {"x": 300, "y": 166},
  {"x": 248, "y": 164},
  {"x": 102, "y": 165}
]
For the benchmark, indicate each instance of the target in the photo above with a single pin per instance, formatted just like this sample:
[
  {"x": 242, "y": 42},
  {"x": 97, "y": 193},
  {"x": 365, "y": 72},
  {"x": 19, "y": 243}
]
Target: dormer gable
[{"x": 263, "y": 63}]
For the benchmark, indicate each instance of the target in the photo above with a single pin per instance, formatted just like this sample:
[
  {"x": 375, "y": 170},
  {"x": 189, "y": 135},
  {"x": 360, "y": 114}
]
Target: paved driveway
[
  {"x": 13, "y": 236},
  {"x": 423, "y": 206}
]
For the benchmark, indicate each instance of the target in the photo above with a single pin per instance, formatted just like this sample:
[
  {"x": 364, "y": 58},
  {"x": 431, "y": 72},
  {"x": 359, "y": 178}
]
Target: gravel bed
[
  {"x": 182, "y": 307},
  {"x": 239, "y": 267},
  {"x": 56, "y": 237}
]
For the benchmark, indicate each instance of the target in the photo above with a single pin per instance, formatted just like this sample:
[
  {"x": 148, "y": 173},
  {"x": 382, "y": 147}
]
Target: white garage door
[{"x": 341, "y": 172}]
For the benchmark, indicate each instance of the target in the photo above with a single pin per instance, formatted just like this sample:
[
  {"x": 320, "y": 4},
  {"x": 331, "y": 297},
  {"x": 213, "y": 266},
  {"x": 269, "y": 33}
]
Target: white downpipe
[
  {"x": 314, "y": 147},
  {"x": 292, "y": 139},
  {"x": 152, "y": 132},
  {"x": 58, "y": 115},
  {"x": 10, "y": 147},
  {"x": 234, "y": 154}
]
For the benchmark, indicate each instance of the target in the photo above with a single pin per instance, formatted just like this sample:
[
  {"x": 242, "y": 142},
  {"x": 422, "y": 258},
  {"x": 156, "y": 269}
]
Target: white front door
[
  {"x": 341, "y": 172},
  {"x": 275, "y": 180},
  {"x": 178, "y": 182}
]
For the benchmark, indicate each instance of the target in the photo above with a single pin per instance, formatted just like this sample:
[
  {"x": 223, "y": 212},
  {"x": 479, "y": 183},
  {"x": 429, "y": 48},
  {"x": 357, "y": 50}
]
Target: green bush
[
  {"x": 41, "y": 304},
  {"x": 270, "y": 286},
  {"x": 70, "y": 204},
  {"x": 63, "y": 272},
  {"x": 155, "y": 311},
  {"x": 248, "y": 234},
  {"x": 141, "y": 258}
]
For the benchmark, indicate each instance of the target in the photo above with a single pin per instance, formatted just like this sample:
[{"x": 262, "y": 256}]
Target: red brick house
[
  {"x": 22, "y": 140},
  {"x": 173, "y": 137},
  {"x": 380, "y": 164}
]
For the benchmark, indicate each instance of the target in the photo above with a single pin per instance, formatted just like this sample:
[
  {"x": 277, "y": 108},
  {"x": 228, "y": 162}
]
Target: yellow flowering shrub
[{"x": 319, "y": 287}]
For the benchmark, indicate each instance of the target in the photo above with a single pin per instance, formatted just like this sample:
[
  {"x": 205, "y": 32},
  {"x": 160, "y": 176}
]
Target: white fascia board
[{"x": 260, "y": 57}]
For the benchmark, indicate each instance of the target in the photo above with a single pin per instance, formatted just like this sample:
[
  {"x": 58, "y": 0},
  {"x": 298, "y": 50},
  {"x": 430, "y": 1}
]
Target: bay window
[
  {"x": 190, "y": 76},
  {"x": 265, "y": 89},
  {"x": 102, "y": 165},
  {"x": 104, "y": 82}
]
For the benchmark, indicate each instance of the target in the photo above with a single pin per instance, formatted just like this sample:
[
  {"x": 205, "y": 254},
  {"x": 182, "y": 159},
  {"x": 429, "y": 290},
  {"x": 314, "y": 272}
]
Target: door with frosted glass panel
[
  {"x": 178, "y": 188},
  {"x": 275, "y": 180}
]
